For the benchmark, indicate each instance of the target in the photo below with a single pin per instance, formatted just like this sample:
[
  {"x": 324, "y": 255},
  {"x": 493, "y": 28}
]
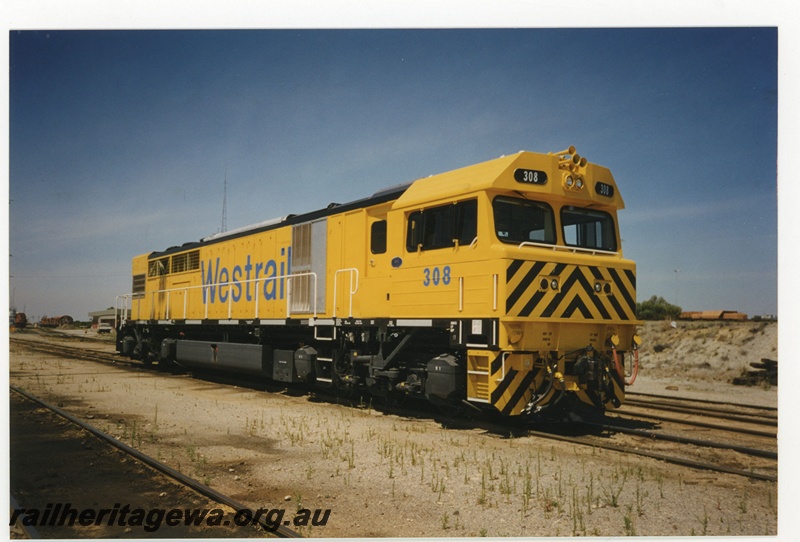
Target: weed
[
  {"x": 640, "y": 497},
  {"x": 549, "y": 503},
  {"x": 527, "y": 491},
  {"x": 630, "y": 530},
  {"x": 743, "y": 503},
  {"x": 704, "y": 523},
  {"x": 616, "y": 485},
  {"x": 505, "y": 485},
  {"x": 133, "y": 432},
  {"x": 482, "y": 498},
  {"x": 298, "y": 497},
  {"x": 660, "y": 480}
]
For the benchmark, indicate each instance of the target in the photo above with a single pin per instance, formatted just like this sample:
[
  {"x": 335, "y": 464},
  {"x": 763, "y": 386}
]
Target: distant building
[{"x": 102, "y": 317}]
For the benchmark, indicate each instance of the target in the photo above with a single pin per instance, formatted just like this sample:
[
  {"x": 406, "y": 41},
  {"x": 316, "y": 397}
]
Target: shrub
[{"x": 656, "y": 308}]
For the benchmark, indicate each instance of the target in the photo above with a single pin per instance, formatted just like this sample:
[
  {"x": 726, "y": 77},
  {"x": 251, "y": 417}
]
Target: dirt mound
[{"x": 709, "y": 351}]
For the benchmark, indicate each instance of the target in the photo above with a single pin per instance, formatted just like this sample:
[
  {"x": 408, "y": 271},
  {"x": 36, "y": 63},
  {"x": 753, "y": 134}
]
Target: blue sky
[{"x": 120, "y": 140}]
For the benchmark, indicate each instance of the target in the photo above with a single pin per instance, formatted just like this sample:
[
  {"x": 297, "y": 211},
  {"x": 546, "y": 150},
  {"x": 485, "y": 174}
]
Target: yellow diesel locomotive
[{"x": 500, "y": 286}]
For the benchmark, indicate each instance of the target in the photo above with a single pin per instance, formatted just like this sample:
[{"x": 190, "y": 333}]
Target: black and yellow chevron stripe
[
  {"x": 508, "y": 381},
  {"x": 531, "y": 292},
  {"x": 504, "y": 380}
]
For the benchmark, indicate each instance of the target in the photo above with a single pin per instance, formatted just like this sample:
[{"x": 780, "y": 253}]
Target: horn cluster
[
  {"x": 569, "y": 159},
  {"x": 574, "y": 166}
]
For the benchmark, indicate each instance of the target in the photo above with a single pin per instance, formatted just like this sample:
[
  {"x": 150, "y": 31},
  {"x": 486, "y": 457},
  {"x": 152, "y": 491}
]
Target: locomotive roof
[
  {"x": 492, "y": 174},
  {"x": 498, "y": 174},
  {"x": 382, "y": 196}
]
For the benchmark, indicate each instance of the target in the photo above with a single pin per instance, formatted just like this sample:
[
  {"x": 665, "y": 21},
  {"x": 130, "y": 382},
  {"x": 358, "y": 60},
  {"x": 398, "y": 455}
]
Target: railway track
[
  {"x": 753, "y": 414},
  {"x": 736, "y": 430},
  {"x": 75, "y": 352},
  {"x": 731, "y": 418},
  {"x": 281, "y": 531},
  {"x": 673, "y": 458},
  {"x": 616, "y": 432}
]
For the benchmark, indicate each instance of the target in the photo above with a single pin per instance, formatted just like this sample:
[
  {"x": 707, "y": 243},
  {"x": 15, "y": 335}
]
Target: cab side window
[
  {"x": 378, "y": 237},
  {"x": 442, "y": 227},
  {"x": 466, "y": 221}
]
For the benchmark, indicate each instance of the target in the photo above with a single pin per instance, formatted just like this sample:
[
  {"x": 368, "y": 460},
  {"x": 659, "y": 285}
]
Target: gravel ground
[{"x": 389, "y": 476}]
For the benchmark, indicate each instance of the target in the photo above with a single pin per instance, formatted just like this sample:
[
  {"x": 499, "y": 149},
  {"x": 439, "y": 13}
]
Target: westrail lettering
[{"x": 246, "y": 280}]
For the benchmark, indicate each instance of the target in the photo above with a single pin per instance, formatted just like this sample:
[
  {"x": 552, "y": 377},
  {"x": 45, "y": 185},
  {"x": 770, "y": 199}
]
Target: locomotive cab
[{"x": 524, "y": 251}]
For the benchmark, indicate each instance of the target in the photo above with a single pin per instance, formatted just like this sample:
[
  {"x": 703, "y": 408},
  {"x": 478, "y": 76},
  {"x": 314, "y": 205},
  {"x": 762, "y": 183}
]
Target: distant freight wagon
[
  {"x": 55, "y": 321},
  {"x": 713, "y": 315}
]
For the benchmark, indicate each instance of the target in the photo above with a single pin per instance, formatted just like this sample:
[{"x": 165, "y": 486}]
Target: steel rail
[
  {"x": 772, "y": 422},
  {"x": 705, "y": 401},
  {"x": 656, "y": 455},
  {"x": 741, "y": 430},
  {"x": 686, "y": 440},
  {"x": 768, "y": 414},
  {"x": 86, "y": 354},
  {"x": 28, "y": 530},
  {"x": 282, "y": 531}
]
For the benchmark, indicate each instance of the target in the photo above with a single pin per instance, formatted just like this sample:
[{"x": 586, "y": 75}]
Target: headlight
[
  {"x": 579, "y": 183},
  {"x": 569, "y": 181}
]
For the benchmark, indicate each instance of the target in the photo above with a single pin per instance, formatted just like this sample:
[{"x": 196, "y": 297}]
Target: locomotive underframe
[{"x": 452, "y": 364}]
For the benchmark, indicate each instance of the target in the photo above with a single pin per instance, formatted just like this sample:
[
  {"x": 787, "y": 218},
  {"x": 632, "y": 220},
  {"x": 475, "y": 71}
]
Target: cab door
[{"x": 439, "y": 242}]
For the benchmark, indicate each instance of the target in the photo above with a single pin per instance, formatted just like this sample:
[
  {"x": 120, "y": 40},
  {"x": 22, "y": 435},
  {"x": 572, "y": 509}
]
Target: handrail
[
  {"x": 353, "y": 272},
  {"x": 503, "y": 361},
  {"x": 119, "y": 321},
  {"x": 568, "y": 249},
  {"x": 230, "y": 284},
  {"x": 495, "y": 278}
]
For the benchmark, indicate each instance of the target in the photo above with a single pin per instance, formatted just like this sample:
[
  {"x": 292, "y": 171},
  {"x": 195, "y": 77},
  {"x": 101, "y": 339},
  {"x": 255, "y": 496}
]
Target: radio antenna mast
[{"x": 225, "y": 203}]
